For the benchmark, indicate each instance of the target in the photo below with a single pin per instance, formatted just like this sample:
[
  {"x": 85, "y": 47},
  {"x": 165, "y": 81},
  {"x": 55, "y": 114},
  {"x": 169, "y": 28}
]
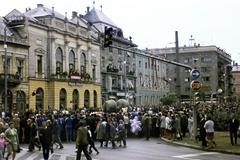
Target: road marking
[{"x": 188, "y": 156}]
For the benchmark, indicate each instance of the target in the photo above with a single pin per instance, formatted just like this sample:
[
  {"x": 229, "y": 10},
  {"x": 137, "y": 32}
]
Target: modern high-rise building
[
  {"x": 236, "y": 82},
  {"x": 213, "y": 63}
]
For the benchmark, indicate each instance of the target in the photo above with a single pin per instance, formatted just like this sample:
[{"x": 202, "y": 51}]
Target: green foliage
[
  {"x": 221, "y": 118},
  {"x": 169, "y": 99}
]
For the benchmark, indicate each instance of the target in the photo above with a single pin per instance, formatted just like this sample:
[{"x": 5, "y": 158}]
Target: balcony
[{"x": 12, "y": 79}]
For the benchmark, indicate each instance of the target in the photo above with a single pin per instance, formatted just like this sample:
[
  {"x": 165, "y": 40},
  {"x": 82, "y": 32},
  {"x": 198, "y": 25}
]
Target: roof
[
  {"x": 95, "y": 16},
  {"x": 42, "y": 11},
  {"x": 2, "y": 27}
]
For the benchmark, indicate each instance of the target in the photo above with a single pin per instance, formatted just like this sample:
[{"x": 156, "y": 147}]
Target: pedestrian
[
  {"x": 203, "y": 132},
  {"x": 82, "y": 141},
  {"x": 101, "y": 131},
  {"x": 209, "y": 127},
  {"x": 91, "y": 141},
  {"x": 233, "y": 126},
  {"x": 56, "y": 132},
  {"x": 122, "y": 134},
  {"x": 13, "y": 141},
  {"x": 3, "y": 143},
  {"x": 33, "y": 135},
  {"x": 45, "y": 136}
]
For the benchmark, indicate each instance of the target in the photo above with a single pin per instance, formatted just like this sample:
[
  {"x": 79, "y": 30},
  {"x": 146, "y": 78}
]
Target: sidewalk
[{"x": 221, "y": 138}]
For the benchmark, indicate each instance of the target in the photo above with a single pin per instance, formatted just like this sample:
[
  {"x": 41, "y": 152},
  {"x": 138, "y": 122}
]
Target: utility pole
[{"x": 178, "y": 91}]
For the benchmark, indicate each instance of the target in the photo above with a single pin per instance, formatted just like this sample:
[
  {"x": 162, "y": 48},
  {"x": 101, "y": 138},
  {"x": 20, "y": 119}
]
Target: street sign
[
  {"x": 195, "y": 74},
  {"x": 196, "y": 85}
]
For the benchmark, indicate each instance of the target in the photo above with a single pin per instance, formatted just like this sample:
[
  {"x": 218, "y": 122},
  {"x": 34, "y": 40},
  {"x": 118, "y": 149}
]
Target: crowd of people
[{"x": 46, "y": 131}]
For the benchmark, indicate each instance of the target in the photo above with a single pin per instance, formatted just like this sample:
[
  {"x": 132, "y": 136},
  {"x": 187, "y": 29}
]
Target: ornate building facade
[
  {"x": 17, "y": 48},
  {"x": 64, "y": 60},
  {"x": 118, "y": 67}
]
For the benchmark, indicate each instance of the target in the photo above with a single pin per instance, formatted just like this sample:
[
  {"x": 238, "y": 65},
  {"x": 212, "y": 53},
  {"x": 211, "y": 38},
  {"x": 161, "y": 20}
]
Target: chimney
[
  {"x": 74, "y": 14},
  {"x": 80, "y": 15},
  {"x": 53, "y": 14},
  {"x": 88, "y": 9},
  {"x": 39, "y": 5}
]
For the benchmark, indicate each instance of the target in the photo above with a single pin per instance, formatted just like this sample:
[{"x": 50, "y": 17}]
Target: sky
[{"x": 152, "y": 23}]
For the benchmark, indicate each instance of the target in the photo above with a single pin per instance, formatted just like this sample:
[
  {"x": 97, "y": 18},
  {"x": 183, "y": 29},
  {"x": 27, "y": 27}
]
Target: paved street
[{"x": 137, "y": 149}]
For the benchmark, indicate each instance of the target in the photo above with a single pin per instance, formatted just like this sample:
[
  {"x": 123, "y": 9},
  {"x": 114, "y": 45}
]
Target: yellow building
[{"x": 64, "y": 61}]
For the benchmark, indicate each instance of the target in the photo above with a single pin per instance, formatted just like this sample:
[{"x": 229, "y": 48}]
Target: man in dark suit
[{"x": 234, "y": 125}]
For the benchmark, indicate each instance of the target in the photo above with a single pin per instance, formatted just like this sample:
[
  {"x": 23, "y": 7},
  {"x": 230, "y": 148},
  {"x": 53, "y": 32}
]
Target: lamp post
[{"x": 5, "y": 72}]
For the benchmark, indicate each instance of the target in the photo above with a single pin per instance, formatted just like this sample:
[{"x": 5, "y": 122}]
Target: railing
[
  {"x": 14, "y": 40},
  {"x": 13, "y": 79}
]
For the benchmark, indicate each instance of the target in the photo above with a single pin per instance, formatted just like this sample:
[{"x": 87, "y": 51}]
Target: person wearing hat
[{"x": 13, "y": 142}]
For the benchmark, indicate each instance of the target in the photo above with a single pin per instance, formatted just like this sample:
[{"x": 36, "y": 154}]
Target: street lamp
[{"x": 5, "y": 71}]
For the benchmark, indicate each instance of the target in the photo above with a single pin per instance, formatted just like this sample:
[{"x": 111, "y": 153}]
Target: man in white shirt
[{"x": 209, "y": 127}]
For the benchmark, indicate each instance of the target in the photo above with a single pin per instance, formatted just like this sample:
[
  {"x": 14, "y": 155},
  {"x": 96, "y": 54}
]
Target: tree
[{"x": 169, "y": 99}]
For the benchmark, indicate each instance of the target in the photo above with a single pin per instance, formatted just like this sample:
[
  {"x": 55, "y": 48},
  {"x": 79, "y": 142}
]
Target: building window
[
  {"x": 19, "y": 67},
  {"x": 140, "y": 64},
  {"x": 95, "y": 99},
  {"x": 39, "y": 64},
  {"x": 75, "y": 99},
  {"x": 94, "y": 72},
  {"x": 206, "y": 59},
  {"x": 207, "y": 79},
  {"x": 63, "y": 99},
  {"x": 145, "y": 65},
  {"x": 71, "y": 62},
  {"x": 39, "y": 99},
  {"x": 120, "y": 65},
  {"x": 204, "y": 69},
  {"x": 59, "y": 60},
  {"x": 103, "y": 62},
  {"x": 83, "y": 63},
  {"x": 119, "y": 51},
  {"x": 86, "y": 99}
]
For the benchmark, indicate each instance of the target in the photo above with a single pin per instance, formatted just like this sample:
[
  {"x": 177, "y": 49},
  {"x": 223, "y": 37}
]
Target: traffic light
[
  {"x": 108, "y": 34},
  {"x": 196, "y": 98}
]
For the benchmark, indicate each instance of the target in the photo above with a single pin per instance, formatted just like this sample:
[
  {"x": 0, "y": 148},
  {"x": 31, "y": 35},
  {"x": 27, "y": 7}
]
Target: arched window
[
  {"x": 95, "y": 99},
  {"x": 71, "y": 62},
  {"x": 75, "y": 99},
  {"x": 21, "y": 101},
  {"x": 86, "y": 99},
  {"x": 63, "y": 99},
  {"x": 83, "y": 63},
  {"x": 59, "y": 60},
  {"x": 39, "y": 99}
]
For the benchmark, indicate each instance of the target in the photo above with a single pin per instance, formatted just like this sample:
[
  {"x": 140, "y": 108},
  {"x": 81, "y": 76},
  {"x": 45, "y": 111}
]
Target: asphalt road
[{"x": 137, "y": 149}]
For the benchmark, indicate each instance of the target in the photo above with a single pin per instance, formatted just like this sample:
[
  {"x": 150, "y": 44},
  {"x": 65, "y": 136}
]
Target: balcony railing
[{"x": 12, "y": 79}]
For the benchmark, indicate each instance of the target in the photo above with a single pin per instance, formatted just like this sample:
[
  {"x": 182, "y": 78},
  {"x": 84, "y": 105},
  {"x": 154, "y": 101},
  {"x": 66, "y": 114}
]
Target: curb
[{"x": 197, "y": 147}]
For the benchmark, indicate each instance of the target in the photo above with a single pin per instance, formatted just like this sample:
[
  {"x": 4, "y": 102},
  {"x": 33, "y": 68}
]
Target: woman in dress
[{"x": 13, "y": 142}]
